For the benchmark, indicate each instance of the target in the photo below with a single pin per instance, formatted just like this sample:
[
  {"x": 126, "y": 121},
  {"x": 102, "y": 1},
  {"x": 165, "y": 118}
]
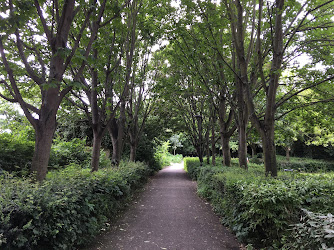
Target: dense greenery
[
  {"x": 70, "y": 207},
  {"x": 17, "y": 152},
  {"x": 266, "y": 212},
  {"x": 96, "y": 83}
]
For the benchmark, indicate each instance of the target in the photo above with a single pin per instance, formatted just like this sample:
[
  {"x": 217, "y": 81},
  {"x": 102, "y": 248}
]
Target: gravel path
[{"x": 168, "y": 215}]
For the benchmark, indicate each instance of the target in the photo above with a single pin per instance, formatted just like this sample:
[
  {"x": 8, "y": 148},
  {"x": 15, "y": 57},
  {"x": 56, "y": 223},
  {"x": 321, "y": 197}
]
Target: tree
[
  {"x": 104, "y": 78},
  {"x": 263, "y": 43},
  {"x": 37, "y": 48},
  {"x": 175, "y": 141}
]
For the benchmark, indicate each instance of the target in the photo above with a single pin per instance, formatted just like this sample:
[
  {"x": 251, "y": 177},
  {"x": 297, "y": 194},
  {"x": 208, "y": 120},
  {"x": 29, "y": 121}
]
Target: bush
[
  {"x": 175, "y": 158},
  {"x": 161, "y": 154},
  {"x": 192, "y": 165},
  {"x": 261, "y": 209},
  {"x": 314, "y": 231},
  {"x": 304, "y": 164},
  {"x": 16, "y": 153},
  {"x": 64, "y": 153},
  {"x": 67, "y": 209}
]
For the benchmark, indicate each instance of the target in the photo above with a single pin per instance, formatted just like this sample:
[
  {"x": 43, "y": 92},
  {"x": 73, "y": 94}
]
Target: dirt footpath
[{"x": 168, "y": 215}]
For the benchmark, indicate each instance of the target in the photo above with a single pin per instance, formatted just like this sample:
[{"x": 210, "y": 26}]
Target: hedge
[
  {"x": 304, "y": 164},
  {"x": 67, "y": 209},
  {"x": 267, "y": 212}
]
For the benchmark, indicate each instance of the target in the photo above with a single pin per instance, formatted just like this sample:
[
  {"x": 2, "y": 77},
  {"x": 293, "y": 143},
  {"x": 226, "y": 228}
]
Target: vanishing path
[{"x": 168, "y": 215}]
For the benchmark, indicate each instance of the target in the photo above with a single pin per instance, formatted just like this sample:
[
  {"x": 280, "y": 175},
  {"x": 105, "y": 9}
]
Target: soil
[{"x": 168, "y": 215}]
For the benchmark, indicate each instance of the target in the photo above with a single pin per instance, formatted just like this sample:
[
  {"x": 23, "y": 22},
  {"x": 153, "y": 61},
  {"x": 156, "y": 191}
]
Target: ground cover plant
[
  {"x": 68, "y": 208},
  {"x": 304, "y": 164},
  {"x": 292, "y": 211}
]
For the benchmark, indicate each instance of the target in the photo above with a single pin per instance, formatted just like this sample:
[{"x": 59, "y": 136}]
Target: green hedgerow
[
  {"x": 265, "y": 211},
  {"x": 67, "y": 209}
]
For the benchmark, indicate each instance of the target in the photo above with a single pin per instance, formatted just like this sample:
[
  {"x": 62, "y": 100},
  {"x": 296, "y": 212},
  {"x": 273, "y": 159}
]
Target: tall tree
[
  {"x": 37, "y": 49},
  {"x": 263, "y": 43},
  {"x": 104, "y": 79}
]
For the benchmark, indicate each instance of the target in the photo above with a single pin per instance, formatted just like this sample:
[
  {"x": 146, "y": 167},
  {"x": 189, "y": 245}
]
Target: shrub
[
  {"x": 16, "y": 153},
  {"x": 67, "y": 209},
  {"x": 175, "y": 158},
  {"x": 314, "y": 231},
  {"x": 261, "y": 209},
  {"x": 192, "y": 165},
  {"x": 161, "y": 154},
  {"x": 304, "y": 164},
  {"x": 64, "y": 153}
]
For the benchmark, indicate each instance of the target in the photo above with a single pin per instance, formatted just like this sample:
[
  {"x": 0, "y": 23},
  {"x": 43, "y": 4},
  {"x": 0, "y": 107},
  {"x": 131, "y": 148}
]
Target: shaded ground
[{"x": 168, "y": 215}]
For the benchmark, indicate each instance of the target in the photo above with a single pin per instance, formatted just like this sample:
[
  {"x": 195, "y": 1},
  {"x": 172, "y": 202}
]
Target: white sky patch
[
  {"x": 4, "y": 14},
  {"x": 303, "y": 59},
  {"x": 160, "y": 44},
  {"x": 176, "y": 3}
]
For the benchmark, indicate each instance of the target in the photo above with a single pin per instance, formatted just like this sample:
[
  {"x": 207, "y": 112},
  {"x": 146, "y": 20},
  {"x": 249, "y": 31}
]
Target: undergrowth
[
  {"x": 67, "y": 209},
  {"x": 270, "y": 213}
]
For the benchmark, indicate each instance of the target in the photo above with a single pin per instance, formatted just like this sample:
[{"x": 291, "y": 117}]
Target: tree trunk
[
  {"x": 253, "y": 147},
  {"x": 207, "y": 139},
  {"x": 269, "y": 152},
  {"x": 96, "y": 150},
  {"x": 226, "y": 150},
  {"x": 113, "y": 132},
  {"x": 242, "y": 148},
  {"x": 43, "y": 143},
  {"x": 213, "y": 143},
  {"x": 133, "y": 150},
  {"x": 287, "y": 153},
  {"x": 199, "y": 153}
]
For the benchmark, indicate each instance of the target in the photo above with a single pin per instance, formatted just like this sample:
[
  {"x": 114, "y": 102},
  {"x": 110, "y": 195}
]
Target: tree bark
[
  {"x": 269, "y": 152},
  {"x": 225, "y": 134},
  {"x": 96, "y": 150},
  {"x": 43, "y": 143},
  {"x": 207, "y": 139},
  {"x": 213, "y": 139},
  {"x": 226, "y": 150},
  {"x": 242, "y": 147},
  {"x": 116, "y": 135},
  {"x": 133, "y": 151},
  {"x": 253, "y": 147},
  {"x": 287, "y": 153}
]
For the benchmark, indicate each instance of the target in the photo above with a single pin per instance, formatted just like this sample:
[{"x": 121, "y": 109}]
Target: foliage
[
  {"x": 67, "y": 209},
  {"x": 161, "y": 154},
  {"x": 314, "y": 231},
  {"x": 16, "y": 153},
  {"x": 175, "y": 140},
  {"x": 192, "y": 166},
  {"x": 65, "y": 152},
  {"x": 175, "y": 158},
  {"x": 304, "y": 164},
  {"x": 260, "y": 209}
]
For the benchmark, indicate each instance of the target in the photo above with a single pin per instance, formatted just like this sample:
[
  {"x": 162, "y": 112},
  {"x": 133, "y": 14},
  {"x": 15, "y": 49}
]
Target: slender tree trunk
[
  {"x": 269, "y": 152},
  {"x": 287, "y": 153},
  {"x": 253, "y": 147},
  {"x": 242, "y": 148},
  {"x": 121, "y": 127},
  {"x": 226, "y": 150},
  {"x": 43, "y": 143},
  {"x": 133, "y": 150},
  {"x": 96, "y": 150},
  {"x": 213, "y": 142},
  {"x": 113, "y": 133},
  {"x": 207, "y": 139},
  {"x": 199, "y": 153}
]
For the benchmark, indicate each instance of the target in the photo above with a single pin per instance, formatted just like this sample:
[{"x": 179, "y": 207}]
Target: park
[{"x": 222, "y": 107}]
